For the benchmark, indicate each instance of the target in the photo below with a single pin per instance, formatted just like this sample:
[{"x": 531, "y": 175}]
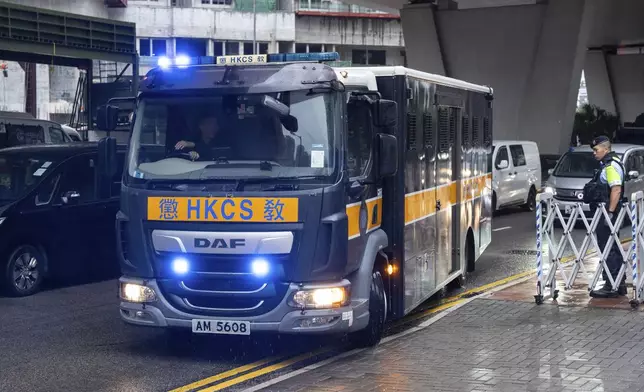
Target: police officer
[{"x": 611, "y": 179}]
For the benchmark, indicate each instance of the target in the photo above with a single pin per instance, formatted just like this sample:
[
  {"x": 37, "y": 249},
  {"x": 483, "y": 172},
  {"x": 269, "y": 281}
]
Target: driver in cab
[{"x": 210, "y": 138}]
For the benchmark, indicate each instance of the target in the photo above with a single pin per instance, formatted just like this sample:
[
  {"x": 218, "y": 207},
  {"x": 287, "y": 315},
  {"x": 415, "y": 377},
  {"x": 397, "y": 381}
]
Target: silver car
[{"x": 576, "y": 167}]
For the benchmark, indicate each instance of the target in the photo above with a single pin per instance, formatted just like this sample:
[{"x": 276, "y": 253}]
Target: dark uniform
[{"x": 611, "y": 174}]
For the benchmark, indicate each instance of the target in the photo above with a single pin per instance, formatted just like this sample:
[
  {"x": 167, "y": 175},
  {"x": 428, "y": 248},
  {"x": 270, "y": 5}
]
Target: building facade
[{"x": 219, "y": 27}]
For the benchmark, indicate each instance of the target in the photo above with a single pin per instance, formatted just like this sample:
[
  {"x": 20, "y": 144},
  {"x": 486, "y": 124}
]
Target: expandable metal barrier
[{"x": 633, "y": 210}]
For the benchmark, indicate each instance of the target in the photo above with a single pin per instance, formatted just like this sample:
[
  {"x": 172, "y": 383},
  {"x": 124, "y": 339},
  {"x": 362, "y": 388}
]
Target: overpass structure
[{"x": 532, "y": 52}]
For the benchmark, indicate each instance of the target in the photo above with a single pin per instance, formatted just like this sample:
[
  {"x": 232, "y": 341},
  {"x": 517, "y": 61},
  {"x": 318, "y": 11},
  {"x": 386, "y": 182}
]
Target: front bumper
[
  {"x": 566, "y": 208},
  {"x": 282, "y": 319}
]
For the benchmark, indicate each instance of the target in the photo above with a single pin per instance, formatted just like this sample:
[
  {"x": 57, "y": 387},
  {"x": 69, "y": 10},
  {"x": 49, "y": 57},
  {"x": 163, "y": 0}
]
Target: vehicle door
[
  {"x": 520, "y": 185},
  {"x": 504, "y": 176},
  {"x": 78, "y": 209},
  {"x": 634, "y": 166},
  {"x": 105, "y": 225}
]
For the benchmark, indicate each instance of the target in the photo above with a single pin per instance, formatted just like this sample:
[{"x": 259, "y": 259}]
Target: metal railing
[{"x": 632, "y": 212}]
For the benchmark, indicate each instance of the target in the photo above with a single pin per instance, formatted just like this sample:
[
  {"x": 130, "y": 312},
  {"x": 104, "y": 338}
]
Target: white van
[{"x": 516, "y": 174}]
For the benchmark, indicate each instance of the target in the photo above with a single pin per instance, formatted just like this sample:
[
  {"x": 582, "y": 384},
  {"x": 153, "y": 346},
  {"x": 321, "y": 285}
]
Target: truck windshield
[
  {"x": 234, "y": 137},
  {"x": 20, "y": 173}
]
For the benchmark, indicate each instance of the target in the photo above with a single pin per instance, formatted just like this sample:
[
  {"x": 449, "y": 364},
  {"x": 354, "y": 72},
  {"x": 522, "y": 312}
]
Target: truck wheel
[
  {"x": 24, "y": 270},
  {"x": 372, "y": 334}
]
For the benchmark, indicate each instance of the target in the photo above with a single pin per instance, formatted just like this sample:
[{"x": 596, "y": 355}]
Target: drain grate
[{"x": 523, "y": 252}]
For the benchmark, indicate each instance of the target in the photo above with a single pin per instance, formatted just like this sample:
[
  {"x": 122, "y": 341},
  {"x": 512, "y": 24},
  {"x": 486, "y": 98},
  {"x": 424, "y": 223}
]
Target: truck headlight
[
  {"x": 132, "y": 292},
  {"x": 329, "y": 297},
  {"x": 550, "y": 190}
]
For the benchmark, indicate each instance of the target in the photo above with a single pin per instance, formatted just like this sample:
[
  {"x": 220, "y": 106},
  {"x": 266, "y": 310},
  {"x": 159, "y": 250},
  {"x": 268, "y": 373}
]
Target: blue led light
[
  {"x": 260, "y": 267},
  {"x": 180, "y": 266}
]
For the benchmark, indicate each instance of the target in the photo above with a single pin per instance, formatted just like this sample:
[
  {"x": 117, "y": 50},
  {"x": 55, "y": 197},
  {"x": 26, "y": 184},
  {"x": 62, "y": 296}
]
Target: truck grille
[{"x": 222, "y": 285}]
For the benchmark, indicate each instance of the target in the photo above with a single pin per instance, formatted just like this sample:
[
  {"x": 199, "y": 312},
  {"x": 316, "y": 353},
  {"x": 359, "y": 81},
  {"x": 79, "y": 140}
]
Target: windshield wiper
[{"x": 242, "y": 182}]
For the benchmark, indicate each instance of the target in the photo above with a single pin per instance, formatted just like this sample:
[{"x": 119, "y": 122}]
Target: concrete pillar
[
  {"x": 598, "y": 83},
  {"x": 627, "y": 75},
  {"x": 42, "y": 91},
  {"x": 421, "y": 38},
  {"x": 210, "y": 47},
  {"x": 12, "y": 88},
  {"x": 532, "y": 55}
]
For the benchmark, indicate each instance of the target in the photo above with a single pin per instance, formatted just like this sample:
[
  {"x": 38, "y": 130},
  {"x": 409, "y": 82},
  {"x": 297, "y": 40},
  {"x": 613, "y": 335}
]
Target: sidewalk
[{"x": 501, "y": 342}]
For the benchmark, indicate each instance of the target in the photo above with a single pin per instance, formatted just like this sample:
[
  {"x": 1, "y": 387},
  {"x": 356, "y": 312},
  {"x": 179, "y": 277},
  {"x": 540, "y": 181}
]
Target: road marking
[
  {"x": 447, "y": 304},
  {"x": 226, "y": 374},
  {"x": 261, "y": 372},
  {"x": 502, "y": 228},
  {"x": 453, "y": 307}
]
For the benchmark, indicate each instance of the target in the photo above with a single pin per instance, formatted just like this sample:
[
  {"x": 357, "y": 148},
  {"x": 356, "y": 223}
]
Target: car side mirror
[
  {"x": 550, "y": 171},
  {"x": 70, "y": 197},
  {"x": 385, "y": 113},
  {"x": 633, "y": 174},
  {"x": 387, "y": 155},
  {"x": 107, "y": 117},
  {"x": 503, "y": 165}
]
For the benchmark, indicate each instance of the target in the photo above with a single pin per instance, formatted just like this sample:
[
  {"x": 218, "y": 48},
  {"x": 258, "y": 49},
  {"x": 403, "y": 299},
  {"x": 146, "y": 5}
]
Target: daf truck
[{"x": 275, "y": 193}]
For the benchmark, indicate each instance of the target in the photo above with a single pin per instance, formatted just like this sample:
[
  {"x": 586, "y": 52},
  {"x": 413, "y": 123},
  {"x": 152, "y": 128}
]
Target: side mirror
[
  {"x": 107, "y": 157},
  {"x": 633, "y": 174},
  {"x": 70, "y": 197},
  {"x": 550, "y": 171},
  {"x": 385, "y": 113},
  {"x": 387, "y": 155},
  {"x": 107, "y": 117},
  {"x": 290, "y": 123},
  {"x": 503, "y": 165}
]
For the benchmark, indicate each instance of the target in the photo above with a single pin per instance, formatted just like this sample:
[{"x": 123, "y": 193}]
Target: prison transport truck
[{"x": 276, "y": 193}]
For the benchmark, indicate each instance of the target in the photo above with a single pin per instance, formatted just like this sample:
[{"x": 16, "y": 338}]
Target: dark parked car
[{"x": 58, "y": 205}]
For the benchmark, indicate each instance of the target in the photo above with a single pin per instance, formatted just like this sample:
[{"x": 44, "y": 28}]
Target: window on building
[
  {"x": 315, "y": 48},
  {"x": 144, "y": 47},
  {"x": 219, "y": 48},
  {"x": 216, "y": 2},
  {"x": 159, "y": 47},
  {"x": 300, "y": 48},
  {"x": 284, "y": 47},
  {"x": 248, "y": 48},
  {"x": 232, "y": 48},
  {"x": 192, "y": 46},
  {"x": 263, "y": 48},
  {"x": 369, "y": 57}
]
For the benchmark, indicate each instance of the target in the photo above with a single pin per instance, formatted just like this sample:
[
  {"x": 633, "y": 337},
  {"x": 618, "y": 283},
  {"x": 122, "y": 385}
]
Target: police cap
[{"x": 599, "y": 140}]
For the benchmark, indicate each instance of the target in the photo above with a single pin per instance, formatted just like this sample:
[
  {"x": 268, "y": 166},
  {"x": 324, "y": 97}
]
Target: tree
[{"x": 592, "y": 121}]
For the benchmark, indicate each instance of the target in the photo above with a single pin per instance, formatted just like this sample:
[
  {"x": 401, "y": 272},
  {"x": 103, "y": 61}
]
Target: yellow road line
[
  {"x": 263, "y": 371},
  {"x": 224, "y": 375}
]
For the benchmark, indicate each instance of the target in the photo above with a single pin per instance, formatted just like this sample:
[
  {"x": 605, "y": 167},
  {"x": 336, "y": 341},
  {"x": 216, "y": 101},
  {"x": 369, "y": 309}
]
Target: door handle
[{"x": 438, "y": 204}]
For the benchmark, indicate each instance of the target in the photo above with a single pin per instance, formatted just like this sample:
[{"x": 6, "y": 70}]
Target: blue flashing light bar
[{"x": 248, "y": 59}]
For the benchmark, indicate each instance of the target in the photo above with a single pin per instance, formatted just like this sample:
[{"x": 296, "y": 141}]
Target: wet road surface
[{"x": 72, "y": 339}]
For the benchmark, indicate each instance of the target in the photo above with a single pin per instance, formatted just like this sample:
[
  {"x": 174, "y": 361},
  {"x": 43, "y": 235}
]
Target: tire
[
  {"x": 24, "y": 271},
  {"x": 372, "y": 334},
  {"x": 531, "y": 203}
]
